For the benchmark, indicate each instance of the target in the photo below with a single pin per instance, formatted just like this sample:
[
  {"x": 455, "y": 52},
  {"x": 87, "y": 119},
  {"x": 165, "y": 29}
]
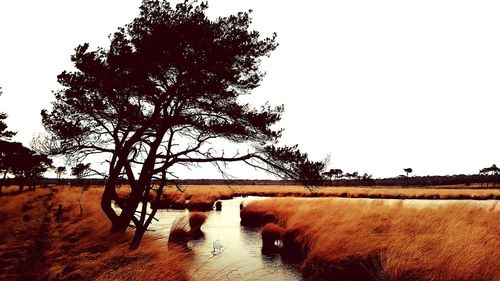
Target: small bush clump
[{"x": 271, "y": 234}]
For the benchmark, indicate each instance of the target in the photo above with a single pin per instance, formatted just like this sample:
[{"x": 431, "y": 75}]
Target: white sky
[{"x": 378, "y": 85}]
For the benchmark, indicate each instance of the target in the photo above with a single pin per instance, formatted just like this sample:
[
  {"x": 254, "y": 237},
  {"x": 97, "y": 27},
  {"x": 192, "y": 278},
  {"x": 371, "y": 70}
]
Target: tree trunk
[
  {"x": 107, "y": 198},
  {"x": 32, "y": 185},
  {"x": 136, "y": 241},
  {"x": 3, "y": 180},
  {"x": 120, "y": 223}
]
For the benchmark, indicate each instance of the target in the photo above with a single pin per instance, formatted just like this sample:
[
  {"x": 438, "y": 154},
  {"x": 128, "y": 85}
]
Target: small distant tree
[
  {"x": 367, "y": 179},
  {"x": 495, "y": 171},
  {"x": 351, "y": 176},
  {"x": 333, "y": 173},
  {"x": 59, "y": 172},
  {"x": 408, "y": 171},
  {"x": 337, "y": 173},
  {"x": 490, "y": 172},
  {"x": 483, "y": 173},
  {"x": 406, "y": 177},
  {"x": 328, "y": 174},
  {"x": 80, "y": 172}
]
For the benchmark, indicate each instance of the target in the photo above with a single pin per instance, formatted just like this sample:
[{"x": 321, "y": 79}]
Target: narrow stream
[{"x": 229, "y": 251}]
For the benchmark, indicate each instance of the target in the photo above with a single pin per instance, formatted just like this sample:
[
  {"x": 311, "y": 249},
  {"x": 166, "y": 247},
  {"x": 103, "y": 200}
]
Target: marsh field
[
  {"x": 249, "y": 140},
  {"x": 259, "y": 233}
]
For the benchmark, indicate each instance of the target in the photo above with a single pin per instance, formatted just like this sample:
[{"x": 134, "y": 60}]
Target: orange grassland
[
  {"x": 389, "y": 241},
  {"x": 343, "y": 239},
  {"x": 214, "y": 192},
  {"x": 79, "y": 246}
]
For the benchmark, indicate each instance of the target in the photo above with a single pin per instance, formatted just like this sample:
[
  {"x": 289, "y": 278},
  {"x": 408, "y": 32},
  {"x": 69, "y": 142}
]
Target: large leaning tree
[{"x": 162, "y": 95}]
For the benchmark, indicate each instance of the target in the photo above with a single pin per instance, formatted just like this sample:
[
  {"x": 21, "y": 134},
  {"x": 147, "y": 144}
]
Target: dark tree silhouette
[
  {"x": 4, "y": 133},
  {"x": 28, "y": 168},
  {"x": 336, "y": 173},
  {"x": 162, "y": 95},
  {"x": 408, "y": 171},
  {"x": 352, "y": 176},
  {"x": 26, "y": 165},
  {"x": 490, "y": 172},
  {"x": 495, "y": 171},
  {"x": 80, "y": 172},
  {"x": 406, "y": 177},
  {"x": 59, "y": 172},
  {"x": 10, "y": 153},
  {"x": 367, "y": 178},
  {"x": 328, "y": 174},
  {"x": 483, "y": 173},
  {"x": 8, "y": 150}
]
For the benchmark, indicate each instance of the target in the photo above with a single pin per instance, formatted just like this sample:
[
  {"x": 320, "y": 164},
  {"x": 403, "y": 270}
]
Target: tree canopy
[
  {"x": 163, "y": 94},
  {"x": 4, "y": 133},
  {"x": 29, "y": 167},
  {"x": 60, "y": 170},
  {"x": 24, "y": 164}
]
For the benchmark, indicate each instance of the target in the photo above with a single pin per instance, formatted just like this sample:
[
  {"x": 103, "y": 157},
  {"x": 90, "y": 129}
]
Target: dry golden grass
[
  {"x": 11, "y": 205},
  {"x": 213, "y": 192},
  {"x": 11, "y": 189},
  {"x": 22, "y": 227},
  {"x": 79, "y": 246},
  {"x": 83, "y": 249},
  {"x": 208, "y": 194},
  {"x": 353, "y": 240},
  {"x": 384, "y": 242}
]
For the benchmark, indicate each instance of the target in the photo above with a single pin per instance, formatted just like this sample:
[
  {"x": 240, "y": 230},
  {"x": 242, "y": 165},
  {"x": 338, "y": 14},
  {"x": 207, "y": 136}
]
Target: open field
[
  {"x": 227, "y": 191},
  {"x": 350, "y": 239},
  {"x": 78, "y": 245},
  {"x": 360, "y": 240},
  {"x": 214, "y": 192}
]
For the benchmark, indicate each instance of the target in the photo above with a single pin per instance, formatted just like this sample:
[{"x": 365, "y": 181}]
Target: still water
[{"x": 229, "y": 251}]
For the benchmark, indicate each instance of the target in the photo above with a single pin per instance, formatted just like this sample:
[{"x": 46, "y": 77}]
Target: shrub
[
  {"x": 271, "y": 233},
  {"x": 196, "y": 220}
]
